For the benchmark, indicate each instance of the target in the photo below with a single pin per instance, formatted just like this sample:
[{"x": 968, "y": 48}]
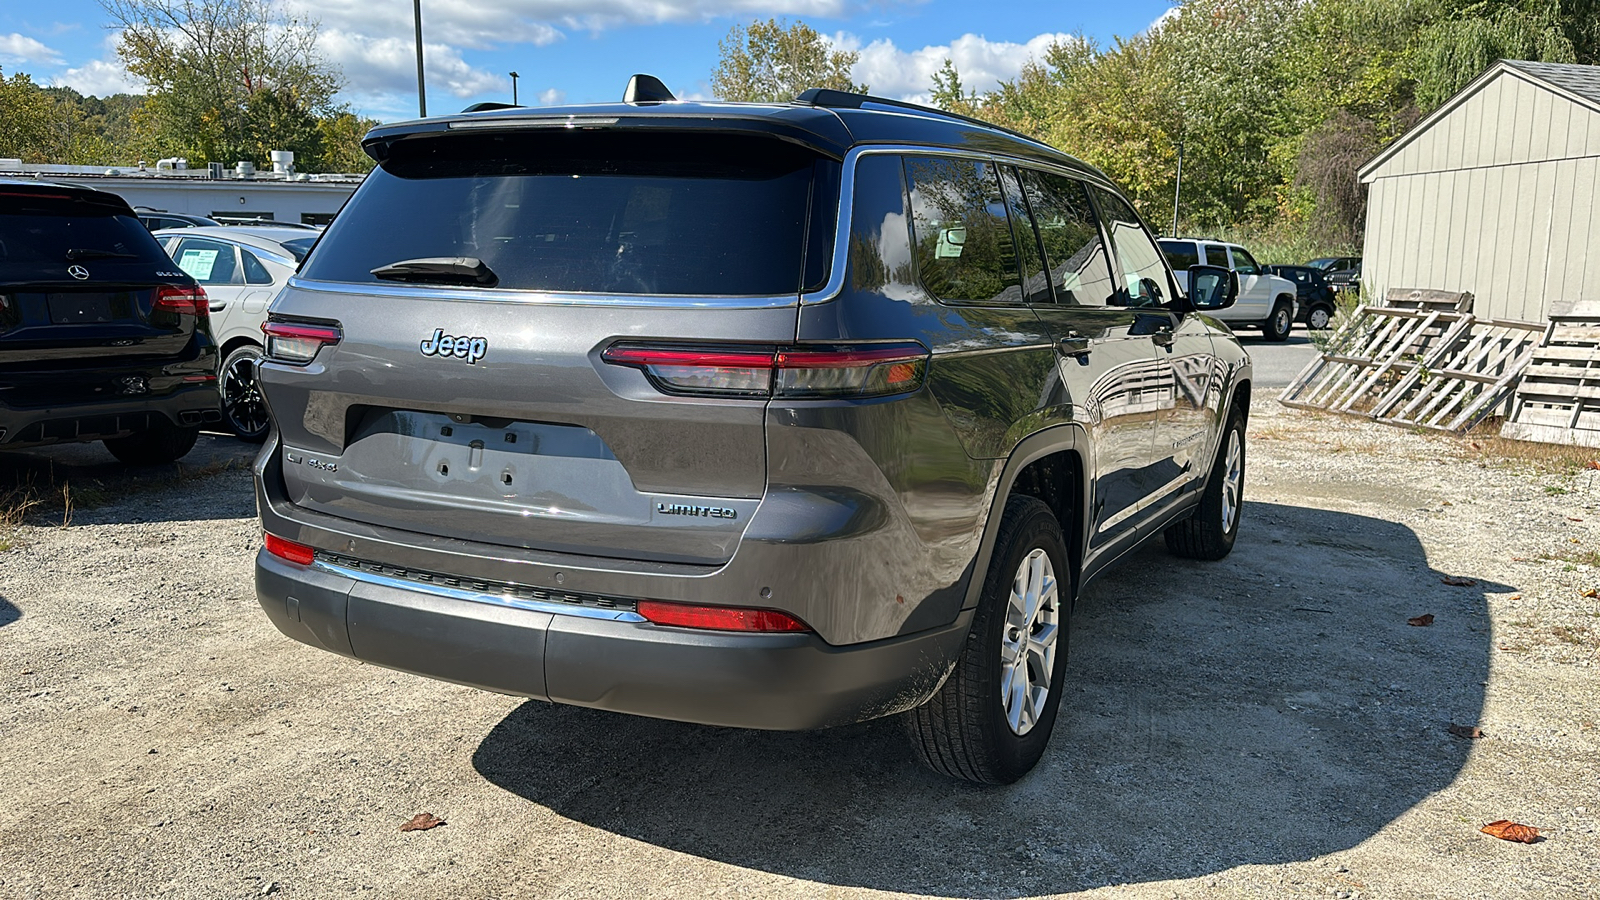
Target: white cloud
[
  {"x": 99, "y": 78},
  {"x": 15, "y": 48},
  {"x": 552, "y": 97},
  {"x": 908, "y": 74},
  {"x": 1163, "y": 19}
]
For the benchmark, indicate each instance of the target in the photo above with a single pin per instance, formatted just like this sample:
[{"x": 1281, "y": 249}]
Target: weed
[
  {"x": 1576, "y": 635},
  {"x": 1554, "y": 490}
]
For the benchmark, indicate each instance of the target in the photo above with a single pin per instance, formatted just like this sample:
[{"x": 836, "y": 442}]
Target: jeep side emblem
[{"x": 444, "y": 345}]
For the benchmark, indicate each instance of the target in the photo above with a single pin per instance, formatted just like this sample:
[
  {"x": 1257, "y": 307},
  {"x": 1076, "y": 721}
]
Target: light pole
[
  {"x": 1177, "y": 191},
  {"x": 513, "y": 89},
  {"x": 422, "y": 89}
]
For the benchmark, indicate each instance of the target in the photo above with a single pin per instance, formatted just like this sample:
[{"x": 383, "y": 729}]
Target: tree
[
  {"x": 226, "y": 78},
  {"x": 341, "y": 136},
  {"x": 770, "y": 62},
  {"x": 948, "y": 93}
]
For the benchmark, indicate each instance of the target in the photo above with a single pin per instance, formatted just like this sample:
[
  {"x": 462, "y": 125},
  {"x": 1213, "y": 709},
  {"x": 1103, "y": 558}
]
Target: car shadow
[
  {"x": 1272, "y": 707},
  {"x": 8, "y": 612},
  {"x": 101, "y": 488}
]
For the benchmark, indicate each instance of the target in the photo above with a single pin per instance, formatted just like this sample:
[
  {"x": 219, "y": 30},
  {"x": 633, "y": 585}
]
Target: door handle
[
  {"x": 1162, "y": 338},
  {"x": 1073, "y": 345},
  {"x": 219, "y": 305}
]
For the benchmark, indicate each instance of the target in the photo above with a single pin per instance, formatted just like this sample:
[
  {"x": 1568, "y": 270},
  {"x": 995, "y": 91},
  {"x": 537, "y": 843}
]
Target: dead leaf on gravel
[
  {"x": 1421, "y": 621},
  {"x": 1591, "y": 592},
  {"x": 1507, "y": 830},
  {"x": 1591, "y": 464},
  {"x": 422, "y": 822},
  {"x": 1514, "y": 597},
  {"x": 1571, "y": 519},
  {"x": 1470, "y": 732},
  {"x": 1458, "y": 582}
]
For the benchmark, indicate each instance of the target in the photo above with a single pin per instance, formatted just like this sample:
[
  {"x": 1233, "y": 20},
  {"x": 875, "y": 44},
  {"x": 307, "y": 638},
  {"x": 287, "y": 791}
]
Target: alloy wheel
[
  {"x": 1232, "y": 479},
  {"x": 1028, "y": 643},
  {"x": 242, "y": 404}
]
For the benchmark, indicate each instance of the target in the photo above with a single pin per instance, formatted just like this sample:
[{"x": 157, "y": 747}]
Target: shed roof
[{"x": 1579, "y": 84}]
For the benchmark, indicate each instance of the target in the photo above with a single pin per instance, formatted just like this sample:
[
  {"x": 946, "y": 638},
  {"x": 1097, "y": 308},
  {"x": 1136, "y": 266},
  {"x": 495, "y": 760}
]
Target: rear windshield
[
  {"x": 299, "y": 247},
  {"x": 592, "y": 212},
  {"x": 40, "y": 242}
]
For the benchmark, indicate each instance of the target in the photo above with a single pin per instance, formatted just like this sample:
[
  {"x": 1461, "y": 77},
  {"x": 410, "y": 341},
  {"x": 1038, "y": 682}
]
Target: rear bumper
[
  {"x": 92, "y": 421},
  {"x": 605, "y": 659}
]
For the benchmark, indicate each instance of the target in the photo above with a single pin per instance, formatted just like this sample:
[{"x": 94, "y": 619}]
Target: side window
[
  {"x": 208, "y": 262},
  {"x": 254, "y": 271},
  {"x": 1243, "y": 262},
  {"x": 1144, "y": 277},
  {"x": 963, "y": 242},
  {"x": 880, "y": 241},
  {"x": 1075, "y": 255},
  {"x": 1216, "y": 255},
  {"x": 1035, "y": 282},
  {"x": 1181, "y": 254}
]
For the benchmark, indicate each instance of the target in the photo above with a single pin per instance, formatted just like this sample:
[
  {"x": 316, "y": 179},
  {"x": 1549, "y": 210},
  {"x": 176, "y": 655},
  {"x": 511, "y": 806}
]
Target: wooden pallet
[
  {"x": 1558, "y": 400},
  {"x": 1428, "y": 300},
  {"x": 1428, "y": 367}
]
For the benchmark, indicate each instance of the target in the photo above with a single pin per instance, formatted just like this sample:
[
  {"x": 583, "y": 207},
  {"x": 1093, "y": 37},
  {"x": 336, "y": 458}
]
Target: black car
[
  {"x": 157, "y": 219},
  {"x": 102, "y": 337},
  {"x": 1346, "y": 280},
  {"x": 1315, "y": 295},
  {"x": 1328, "y": 265}
]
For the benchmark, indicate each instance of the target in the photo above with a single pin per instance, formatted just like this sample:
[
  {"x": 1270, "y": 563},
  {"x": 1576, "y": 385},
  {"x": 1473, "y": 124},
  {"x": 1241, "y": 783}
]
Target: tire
[
  {"x": 1276, "y": 327},
  {"x": 1319, "y": 318},
  {"x": 1209, "y": 531},
  {"x": 243, "y": 409},
  {"x": 966, "y": 729},
  {"x": 160, "y": 445}
]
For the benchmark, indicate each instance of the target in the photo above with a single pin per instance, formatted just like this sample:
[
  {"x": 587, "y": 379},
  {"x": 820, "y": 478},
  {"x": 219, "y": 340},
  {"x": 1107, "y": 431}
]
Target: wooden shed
[{"x": 1497, "y": 193}]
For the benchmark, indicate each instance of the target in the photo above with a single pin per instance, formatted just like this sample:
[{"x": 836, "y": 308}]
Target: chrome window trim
[
  {"x": 847, "y": 183},
  {"x": 560, "y": 609},
  {"x": 550, "y": 298}
]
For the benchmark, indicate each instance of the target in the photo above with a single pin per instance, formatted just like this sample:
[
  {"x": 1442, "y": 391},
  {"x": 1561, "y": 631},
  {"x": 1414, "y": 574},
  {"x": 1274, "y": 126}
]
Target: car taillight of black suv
[
  {"x": 102, "y": 337},
  {"x": 772, "y": 416}
]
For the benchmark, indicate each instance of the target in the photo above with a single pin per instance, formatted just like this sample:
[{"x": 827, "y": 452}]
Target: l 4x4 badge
[{"x": 444, "y": 345}]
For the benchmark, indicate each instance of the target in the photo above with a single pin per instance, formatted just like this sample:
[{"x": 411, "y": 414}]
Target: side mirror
[{"x": 1212, "y": 288}]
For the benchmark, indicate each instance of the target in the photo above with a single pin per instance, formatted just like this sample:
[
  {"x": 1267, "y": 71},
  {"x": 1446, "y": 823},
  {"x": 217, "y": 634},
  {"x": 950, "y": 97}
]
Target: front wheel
[
  {"x": 160, "y": 445},
  {"x": 1319, "y": 318},
  {"x": 242, "y": 406},
  {"x": 1276, "y": 327},
  {"x": 992, "y": 718},
  {"x": 1208, "y": 533}
]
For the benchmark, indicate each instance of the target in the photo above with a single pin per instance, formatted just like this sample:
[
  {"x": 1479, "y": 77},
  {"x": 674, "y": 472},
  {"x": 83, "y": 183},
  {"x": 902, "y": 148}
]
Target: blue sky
[{"x": 584, "y": 50}]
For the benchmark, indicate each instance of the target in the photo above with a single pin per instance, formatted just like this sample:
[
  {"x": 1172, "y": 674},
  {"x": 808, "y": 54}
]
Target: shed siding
[{"x": 1500, "y": 196}]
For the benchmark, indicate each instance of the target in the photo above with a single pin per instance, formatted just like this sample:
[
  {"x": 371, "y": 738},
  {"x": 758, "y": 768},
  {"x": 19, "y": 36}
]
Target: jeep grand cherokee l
[
  {"x": 102, "y": 337},
  {"x": 770, "y": 416}
]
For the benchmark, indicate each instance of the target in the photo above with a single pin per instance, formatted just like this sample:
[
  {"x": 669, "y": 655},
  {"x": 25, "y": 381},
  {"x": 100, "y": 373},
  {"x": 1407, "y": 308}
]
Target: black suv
[
  {"x": 772, "y": 416},
  {"x": 102, "y": 337}
]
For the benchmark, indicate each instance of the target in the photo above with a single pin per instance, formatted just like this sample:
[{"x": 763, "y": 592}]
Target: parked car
[
  {"x": 101, "y": 337},
  {"x": 640, "y": 414},
  {"x": 1315, "y": 297},
  {"x": 1327, "y": 265},
  {"x": 158, "y": 219},
  {"x": 241, "y": 269},
  {"x": 1346, "y": 280},
  {"x": 1265, "y": 300}
]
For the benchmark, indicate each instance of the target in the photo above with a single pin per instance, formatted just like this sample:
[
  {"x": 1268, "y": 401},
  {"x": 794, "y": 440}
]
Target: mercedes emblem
[{"x": 78, "y": 272}]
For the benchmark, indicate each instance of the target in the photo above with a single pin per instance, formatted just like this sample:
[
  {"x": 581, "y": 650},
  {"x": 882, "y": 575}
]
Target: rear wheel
[
  {"x": 242, "y": 406},
  {"x": 1276, "y": 327},
  {"x": 1209, "y": 532},
  {"x": 991, "y": 720},
  {"x": 163, "y": 444}
]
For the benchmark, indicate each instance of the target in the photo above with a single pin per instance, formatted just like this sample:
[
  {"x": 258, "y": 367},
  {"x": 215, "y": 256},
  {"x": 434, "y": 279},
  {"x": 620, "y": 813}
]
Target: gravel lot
[{"x": 1268, "y": 726}]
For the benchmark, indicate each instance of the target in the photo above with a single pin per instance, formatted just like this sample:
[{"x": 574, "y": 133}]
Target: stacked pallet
[
  {"x": 1420, "y": 360},
  {"x": 1558, "y": 400}
]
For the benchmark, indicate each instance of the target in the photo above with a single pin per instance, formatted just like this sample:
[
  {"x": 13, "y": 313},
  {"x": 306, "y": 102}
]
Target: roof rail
[{"x": 831, "y": 99}]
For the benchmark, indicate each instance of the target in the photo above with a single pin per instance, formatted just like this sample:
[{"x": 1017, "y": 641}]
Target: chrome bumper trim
[{"x": 560, "y": 609}]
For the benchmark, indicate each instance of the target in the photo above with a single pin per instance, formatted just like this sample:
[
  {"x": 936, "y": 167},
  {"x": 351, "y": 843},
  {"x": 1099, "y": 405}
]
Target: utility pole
[
  {"x": 422, "y": 88},
  {"x": 513, "y": 89},
  {"x": 1177, "y": 191}
]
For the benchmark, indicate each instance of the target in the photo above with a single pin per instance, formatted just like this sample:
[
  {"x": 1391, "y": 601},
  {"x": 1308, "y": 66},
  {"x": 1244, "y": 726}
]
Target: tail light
[
  {"x": 287, "y": 549},
  {"x": 719, "y": 618},
  {"x": 189, "y": 300},
  {"x": 864, "y": 370},
  {"x": 297, "y": 344}
]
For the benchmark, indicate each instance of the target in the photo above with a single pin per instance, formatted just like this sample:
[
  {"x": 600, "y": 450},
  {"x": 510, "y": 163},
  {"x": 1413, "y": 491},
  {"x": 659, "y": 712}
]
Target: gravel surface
[{"x": 1267, "y": 726}]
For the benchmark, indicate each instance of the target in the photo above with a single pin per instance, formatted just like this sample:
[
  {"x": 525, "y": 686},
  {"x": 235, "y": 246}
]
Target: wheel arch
[
  {"x": 1051, "y": 465},
  {"x": 234, "y": 343}
]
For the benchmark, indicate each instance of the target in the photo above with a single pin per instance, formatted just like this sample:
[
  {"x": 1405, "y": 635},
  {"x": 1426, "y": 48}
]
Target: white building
[
  {"x": 281, "y": 195},
  {"x": 1497, "y": 192}
]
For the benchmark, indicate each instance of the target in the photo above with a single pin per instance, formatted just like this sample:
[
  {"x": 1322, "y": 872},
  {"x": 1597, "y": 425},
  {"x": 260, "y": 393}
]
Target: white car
[
  {"x": 242, "y": 268},
  {"x": 1265, "y": 300}
]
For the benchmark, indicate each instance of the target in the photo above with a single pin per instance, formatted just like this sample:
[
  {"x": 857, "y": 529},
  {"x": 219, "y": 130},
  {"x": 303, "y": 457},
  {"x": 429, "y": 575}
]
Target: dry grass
[{"x": 40, "y": 498}]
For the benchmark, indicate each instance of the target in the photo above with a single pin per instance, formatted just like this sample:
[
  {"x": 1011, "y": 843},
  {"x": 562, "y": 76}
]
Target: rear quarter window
[
  {"x": 601, "y": 213},
  {"x": 1181, "y": 254}
]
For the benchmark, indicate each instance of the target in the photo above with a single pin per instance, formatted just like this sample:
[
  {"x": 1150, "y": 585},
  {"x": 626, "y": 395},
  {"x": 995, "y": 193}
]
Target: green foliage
[
  {"x": 26, "y": 119},
  {"x": 771, "y": 62}
]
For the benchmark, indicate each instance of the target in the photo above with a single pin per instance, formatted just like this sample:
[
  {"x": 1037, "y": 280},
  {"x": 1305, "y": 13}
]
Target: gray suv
[{"x": 767, "y": 416}]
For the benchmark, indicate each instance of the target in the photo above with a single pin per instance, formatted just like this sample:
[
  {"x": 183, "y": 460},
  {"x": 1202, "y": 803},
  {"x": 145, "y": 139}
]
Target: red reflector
[
  {"x": 182, "y": 299},
  {"x": 286, "y": 549},
  {"x": 718, "y": 618}
]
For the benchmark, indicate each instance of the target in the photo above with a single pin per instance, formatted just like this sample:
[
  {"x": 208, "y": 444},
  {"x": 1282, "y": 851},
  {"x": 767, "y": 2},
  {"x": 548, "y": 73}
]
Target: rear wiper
[
  {"x": 80, "y": 253},
  {"x": 440, "y": 269}
]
